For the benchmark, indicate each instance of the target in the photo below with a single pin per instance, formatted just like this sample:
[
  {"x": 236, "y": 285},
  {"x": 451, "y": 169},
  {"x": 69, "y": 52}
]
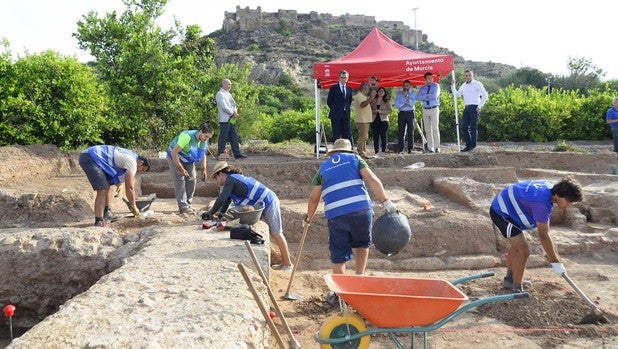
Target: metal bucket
[{"x": 248, "y": 214}]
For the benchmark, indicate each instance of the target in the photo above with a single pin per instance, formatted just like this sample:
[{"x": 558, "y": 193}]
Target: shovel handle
[
  {"x": 261, "y": 305},
  {"x": 297, "y": 260},
  {"x": 581, "y": 293}
]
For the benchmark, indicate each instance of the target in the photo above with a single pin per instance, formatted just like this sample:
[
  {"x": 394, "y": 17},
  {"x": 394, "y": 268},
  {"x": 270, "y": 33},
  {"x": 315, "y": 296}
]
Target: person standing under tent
[
  {"x": 381, "y": 109},
  {"x": 339, "y": 101},
  {"x": 362, "y": 108},
  {"x": 475, "y": 96},
  {"x": 429, "y": 94},
  {"x": 404, "y": 101}
]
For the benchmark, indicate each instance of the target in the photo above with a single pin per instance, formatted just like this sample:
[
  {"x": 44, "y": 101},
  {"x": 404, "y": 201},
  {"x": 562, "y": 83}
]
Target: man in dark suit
[{"x": 339, "y": 101}]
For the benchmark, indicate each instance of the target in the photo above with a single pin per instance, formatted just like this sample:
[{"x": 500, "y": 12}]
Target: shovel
[
  {"x": 597, "y": 315},
  {"x": 294, "y": 296}
]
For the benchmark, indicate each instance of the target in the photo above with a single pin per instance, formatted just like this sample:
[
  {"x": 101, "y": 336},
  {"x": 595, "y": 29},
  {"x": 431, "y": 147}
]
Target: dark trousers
[
  {"x": 342, "y": 128},
  {"x": 470, "y": 125},
  {"x": 405, "y": 121},
  {"x": 379, "y": 129},
  {"x": 227, "y": 131}
]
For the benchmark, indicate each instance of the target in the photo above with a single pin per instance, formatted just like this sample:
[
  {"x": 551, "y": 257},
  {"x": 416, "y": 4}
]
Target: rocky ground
[{"x": 446, "y": 202}]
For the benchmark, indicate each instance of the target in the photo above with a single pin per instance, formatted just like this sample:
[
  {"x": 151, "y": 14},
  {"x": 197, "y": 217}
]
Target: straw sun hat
[
  {"x": 219, "y": 166},
  {"x": 341, "y": 145}
]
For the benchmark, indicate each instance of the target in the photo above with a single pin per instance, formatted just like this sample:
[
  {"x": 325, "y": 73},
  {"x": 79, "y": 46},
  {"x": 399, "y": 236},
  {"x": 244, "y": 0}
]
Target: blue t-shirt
[{"x": 612, "y": 114}]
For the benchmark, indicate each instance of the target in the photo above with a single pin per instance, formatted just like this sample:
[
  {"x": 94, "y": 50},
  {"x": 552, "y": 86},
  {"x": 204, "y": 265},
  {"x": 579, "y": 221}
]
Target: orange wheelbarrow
[{"x": 394, "y": 305}]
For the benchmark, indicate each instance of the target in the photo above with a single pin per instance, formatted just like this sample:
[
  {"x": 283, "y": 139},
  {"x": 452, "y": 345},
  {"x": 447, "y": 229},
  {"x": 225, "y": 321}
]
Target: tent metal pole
[
  {"x": 456, "y": 113},
  {"x": 317, "y": 118}
]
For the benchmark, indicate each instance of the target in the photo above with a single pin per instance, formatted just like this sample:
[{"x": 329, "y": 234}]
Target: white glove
[
  {"x": 558, "y": 268},
  {"x": 389, "y": 206},
  {"x": 306, "y": 221}
]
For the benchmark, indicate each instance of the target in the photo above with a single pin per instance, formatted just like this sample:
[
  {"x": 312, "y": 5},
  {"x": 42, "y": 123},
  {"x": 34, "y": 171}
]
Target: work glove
[
  {"x": 136, "y": 212},
  {"x": 389, "y": 206},
  {"x": 558, "y": 268},
  {"x": 306, "y": 221},
  {"x": 207, "y": 216}
]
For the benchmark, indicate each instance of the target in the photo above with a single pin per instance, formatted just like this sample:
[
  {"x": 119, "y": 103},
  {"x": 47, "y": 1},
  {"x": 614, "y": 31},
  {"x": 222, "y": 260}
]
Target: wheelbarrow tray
[{"x": 397, "y": 302}]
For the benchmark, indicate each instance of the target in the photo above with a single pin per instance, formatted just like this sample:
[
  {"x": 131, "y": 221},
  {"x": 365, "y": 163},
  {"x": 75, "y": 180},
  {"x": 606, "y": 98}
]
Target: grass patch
[{"x": 563, "y": 146}]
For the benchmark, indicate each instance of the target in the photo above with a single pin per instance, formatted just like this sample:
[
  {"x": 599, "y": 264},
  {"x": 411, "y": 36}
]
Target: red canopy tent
[{"x": 378, "y": 55}]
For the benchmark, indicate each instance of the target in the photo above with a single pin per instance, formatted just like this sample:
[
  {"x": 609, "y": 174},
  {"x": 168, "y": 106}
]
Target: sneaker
[
  {"x": 517, "y": 290},
  {"x": 102, "y": 223},
  {"x": 240, "y": 156},
  {"x": 332, "y": 298},
  {"x": 437, "y": 150},
  {"x": 110, "y": 216},
  {"x": 187, "y": 211}
]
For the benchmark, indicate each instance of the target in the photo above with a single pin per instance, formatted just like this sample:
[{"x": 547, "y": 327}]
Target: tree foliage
[
  {"x": 48, "y": 98},
  {"x": 154, "y": 84}
]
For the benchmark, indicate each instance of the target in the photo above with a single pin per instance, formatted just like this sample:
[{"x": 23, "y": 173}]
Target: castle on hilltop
[{"x": 324, "y": 26}]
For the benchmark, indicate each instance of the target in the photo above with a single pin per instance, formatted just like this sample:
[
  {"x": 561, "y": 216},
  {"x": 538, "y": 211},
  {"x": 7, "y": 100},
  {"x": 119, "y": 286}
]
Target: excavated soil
[{"x": 446, "y": 202}]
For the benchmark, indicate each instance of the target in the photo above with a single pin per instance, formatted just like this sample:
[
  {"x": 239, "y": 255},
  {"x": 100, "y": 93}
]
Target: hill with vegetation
[{"x": 287, "y": 42}]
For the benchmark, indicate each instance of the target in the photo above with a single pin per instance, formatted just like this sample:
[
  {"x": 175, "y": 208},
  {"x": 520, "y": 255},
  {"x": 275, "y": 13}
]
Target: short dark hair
[
  {"x": 206, "y": 128},
  {"x": 144, "y": 160},
  {"x": 428, "y": 74},
  {"x": 569, "y": 189}
]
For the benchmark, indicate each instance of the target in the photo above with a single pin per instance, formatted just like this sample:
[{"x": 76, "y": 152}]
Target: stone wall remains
[{"x": 323, "y": 26}]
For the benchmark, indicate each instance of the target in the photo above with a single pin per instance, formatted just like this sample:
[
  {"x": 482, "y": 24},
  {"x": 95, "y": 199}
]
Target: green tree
[
  {"x": 525, "y": 76},
  {"x": 48, "y": 98},
  {"x": 583, "y": 76},
  {"x": 155, "y": 85}
]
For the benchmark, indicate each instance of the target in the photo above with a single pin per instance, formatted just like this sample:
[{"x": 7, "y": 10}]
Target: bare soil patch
[{"x": 446, "y": 204}]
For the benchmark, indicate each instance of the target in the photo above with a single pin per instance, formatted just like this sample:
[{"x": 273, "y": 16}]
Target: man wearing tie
[{"x": 339, "y": 101}]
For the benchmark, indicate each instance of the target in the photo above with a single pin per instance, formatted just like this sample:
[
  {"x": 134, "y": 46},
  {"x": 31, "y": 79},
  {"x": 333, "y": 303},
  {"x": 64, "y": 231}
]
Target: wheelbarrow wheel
[{"x": 341, "y": 325}]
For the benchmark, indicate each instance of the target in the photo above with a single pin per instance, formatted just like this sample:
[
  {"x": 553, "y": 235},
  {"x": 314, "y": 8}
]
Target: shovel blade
[{"x": 292, "y": 296}]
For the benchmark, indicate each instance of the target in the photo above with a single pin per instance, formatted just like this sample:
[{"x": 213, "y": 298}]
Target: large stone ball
[{"x": 391, "y": 233}]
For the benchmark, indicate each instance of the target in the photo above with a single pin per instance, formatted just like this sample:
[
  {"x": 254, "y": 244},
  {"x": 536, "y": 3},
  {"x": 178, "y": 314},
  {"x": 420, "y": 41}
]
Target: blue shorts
[
  {"x": 98, "y": 179},
  {"x": 352, "y": 230}
]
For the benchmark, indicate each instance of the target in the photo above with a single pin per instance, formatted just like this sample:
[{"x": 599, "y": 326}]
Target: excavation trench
[{"x": 58, "y": 270}]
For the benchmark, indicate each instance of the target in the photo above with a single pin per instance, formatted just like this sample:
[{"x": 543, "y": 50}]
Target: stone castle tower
[{"x": 344, "y": 28}]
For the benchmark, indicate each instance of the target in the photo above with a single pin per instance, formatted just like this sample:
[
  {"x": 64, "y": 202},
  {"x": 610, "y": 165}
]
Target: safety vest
[
  {"x": 256, "y": 192},
  {"x": 343, "y": 190},
  {"x": 508, "y": 201},
  {"x": 103, "y": 156},
  {"x": 196, "y": 151}
]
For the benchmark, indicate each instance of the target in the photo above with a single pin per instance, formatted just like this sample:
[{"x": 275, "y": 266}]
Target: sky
[{"x": 541, "y": 34}]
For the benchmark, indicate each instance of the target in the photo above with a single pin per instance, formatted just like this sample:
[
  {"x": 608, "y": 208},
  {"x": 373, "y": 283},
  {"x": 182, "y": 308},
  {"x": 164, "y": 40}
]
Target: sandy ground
[{"x": 550, "y": 318}]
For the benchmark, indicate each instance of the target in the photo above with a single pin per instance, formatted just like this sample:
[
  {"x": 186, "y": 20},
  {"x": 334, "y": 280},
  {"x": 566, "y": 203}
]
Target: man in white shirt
[
  {"x": 475, "y": 96},
  {"x": 228, "y": 116}
]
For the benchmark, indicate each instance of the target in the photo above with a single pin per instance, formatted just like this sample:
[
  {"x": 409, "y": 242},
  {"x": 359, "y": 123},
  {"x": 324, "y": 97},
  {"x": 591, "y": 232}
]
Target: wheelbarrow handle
[{"x": 473, "y": 277}]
